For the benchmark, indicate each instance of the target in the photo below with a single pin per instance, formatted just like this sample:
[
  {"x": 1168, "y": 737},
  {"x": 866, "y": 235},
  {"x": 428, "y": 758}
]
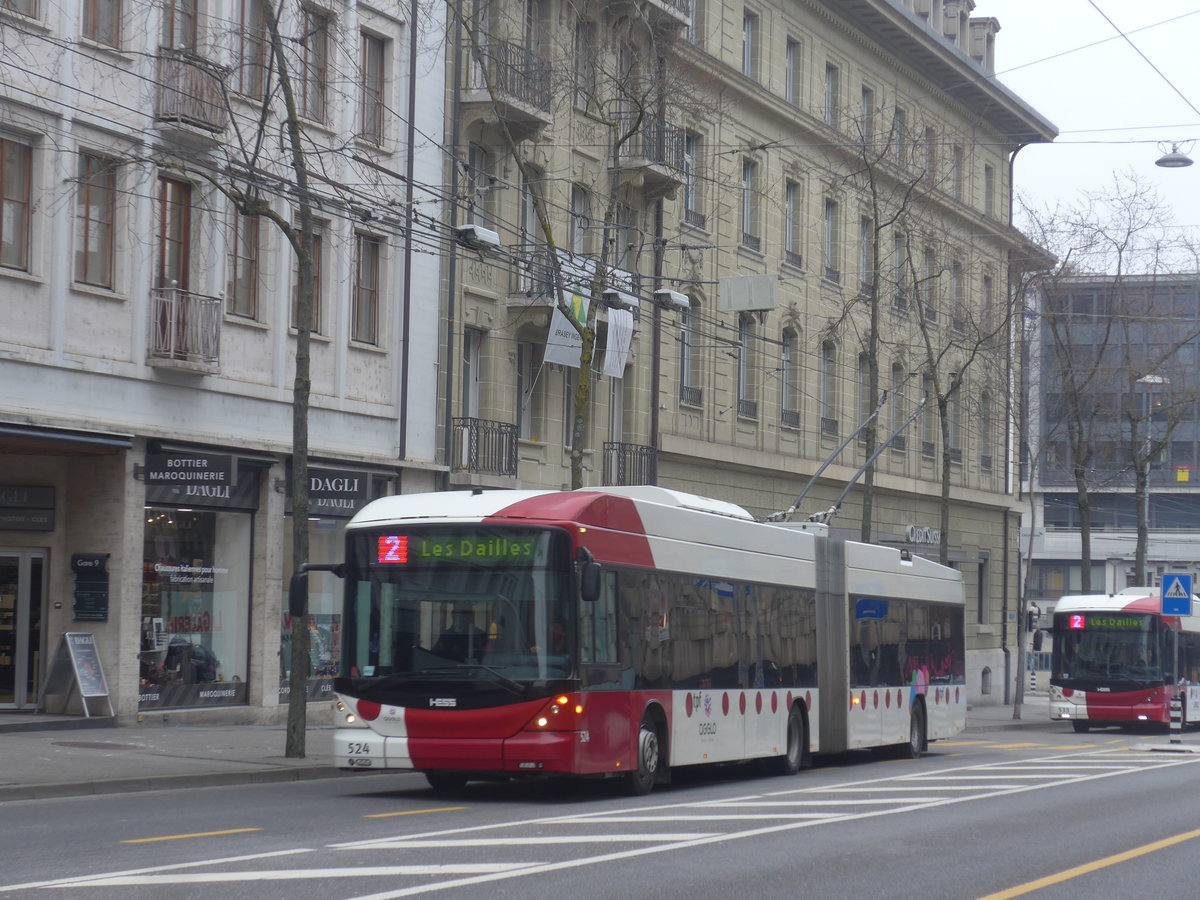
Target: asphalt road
[{"x": 1039, "y": 813}]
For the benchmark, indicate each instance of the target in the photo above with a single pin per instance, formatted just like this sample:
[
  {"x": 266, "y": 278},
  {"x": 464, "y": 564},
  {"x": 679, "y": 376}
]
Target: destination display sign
[
  {"x": 424, "y": 550},
  {"x": 1107, "y": 622}
]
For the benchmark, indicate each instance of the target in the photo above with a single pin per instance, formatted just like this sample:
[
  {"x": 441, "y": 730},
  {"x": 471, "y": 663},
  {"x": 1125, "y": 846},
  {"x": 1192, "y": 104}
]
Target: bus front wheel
[
  {"x": 1080, "y": 726},
  {"x": 649, "y": 758}
]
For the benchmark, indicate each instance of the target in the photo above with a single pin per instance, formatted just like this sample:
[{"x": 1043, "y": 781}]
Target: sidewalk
[{"x": 45, "y": 756}]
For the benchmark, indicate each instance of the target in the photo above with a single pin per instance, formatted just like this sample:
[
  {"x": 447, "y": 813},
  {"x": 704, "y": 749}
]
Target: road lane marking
[
  {"x": 425, "y": 844},
  {"x": 293, "y": 874},
  {"x": 1087, "y": 868},
  {"x": 169, "y": 867},
  {"x": 414, "y": 812},
  {"x": 183, "y": 837}
]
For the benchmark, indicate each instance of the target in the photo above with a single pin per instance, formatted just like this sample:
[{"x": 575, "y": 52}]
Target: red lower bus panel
[{"x": 1127, "y": 706}]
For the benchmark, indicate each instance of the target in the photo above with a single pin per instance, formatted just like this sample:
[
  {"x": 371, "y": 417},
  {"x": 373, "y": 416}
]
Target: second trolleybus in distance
[
  {"x": 1117, "y": 661},
  {"x": 627, "y": 631}
]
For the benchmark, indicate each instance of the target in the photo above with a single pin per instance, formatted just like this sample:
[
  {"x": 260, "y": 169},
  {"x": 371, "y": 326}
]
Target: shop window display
[
  {"x": 326, "y": 536},
  {"x": 195, "y": 608}
]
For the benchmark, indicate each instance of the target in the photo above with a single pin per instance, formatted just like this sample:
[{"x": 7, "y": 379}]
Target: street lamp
[
  {"x": 1173, "y": 159},
  {"x": 1142, "y": 549}
]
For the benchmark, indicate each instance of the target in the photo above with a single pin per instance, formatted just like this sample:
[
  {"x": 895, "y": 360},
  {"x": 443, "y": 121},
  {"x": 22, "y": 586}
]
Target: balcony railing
[
  {"x": 691, "y": 396},
  {"x": 516, "y": 73},
  {"x": 790, "y": 418},
  {"x": 185, "y": 326},
  {"x": 747, "y": 409},
  {"x": 484, "y": 447},
  {"x": 189, "y": 91},
  {"x": 655, "y": 143},
  {"x": 695, "y": 219},
  {"x": 829, "y": 426},
  {"x": 629, "y": 464}
]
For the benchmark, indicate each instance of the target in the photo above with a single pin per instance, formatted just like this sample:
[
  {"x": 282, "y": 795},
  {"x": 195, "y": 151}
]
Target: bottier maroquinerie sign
[{"x": 189, "y": 468}]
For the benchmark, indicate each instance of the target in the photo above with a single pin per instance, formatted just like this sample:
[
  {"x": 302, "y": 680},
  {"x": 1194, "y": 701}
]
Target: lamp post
[{"x": 1173, "y": 158}]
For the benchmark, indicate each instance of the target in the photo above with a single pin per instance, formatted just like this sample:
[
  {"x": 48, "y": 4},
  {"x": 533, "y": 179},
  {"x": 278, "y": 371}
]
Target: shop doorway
[{"x": 22, "y": 598}]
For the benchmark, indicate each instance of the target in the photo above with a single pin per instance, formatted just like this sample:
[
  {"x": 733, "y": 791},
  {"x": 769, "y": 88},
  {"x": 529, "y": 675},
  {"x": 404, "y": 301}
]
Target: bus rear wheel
[
  {"x": 649, "y": 758},
  {"x": 916, "y": 734},
  {"x": 793, "y": 759}
]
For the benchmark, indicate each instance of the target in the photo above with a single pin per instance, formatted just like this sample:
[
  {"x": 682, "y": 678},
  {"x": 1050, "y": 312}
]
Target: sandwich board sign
[{"x": 1177, "y": 595}]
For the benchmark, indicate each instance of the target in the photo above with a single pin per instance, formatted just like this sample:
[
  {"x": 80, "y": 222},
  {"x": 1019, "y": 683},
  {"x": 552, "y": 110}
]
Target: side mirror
[
  {"x": 298, "y": 586},
  {"x": 589, "y": 582}
]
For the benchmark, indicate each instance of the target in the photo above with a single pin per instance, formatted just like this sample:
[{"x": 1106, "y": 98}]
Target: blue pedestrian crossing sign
[{"x": 1177, "y": 595}]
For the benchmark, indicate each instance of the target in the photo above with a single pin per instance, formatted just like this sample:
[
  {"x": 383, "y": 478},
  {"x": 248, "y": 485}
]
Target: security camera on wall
[
  {"x": 476, "y": 237},
  {"x": 672, "y": 300}
]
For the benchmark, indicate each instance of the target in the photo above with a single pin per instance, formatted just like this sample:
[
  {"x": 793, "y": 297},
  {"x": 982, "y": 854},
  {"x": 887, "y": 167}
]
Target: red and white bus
[
  {"x": 627, "y": 631},
  {"x": 1117, "y": 661}
]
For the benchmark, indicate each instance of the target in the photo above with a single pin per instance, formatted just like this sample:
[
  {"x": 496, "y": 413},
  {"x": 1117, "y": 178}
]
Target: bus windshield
[
  {"x": 478, "y": 602},
  {"x": 1106, "y": 650}
]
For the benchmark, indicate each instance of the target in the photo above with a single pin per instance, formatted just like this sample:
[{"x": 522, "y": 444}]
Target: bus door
[{"x": 865, "y": 726}]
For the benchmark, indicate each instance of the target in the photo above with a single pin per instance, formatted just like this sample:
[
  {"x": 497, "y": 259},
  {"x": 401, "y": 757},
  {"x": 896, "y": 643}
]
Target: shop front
[
  {"x": 335, "y": 495},
  {"x": 198, "y": 547}
]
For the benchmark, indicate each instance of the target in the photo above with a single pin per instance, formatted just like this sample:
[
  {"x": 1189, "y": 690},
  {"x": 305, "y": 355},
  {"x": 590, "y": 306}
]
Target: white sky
[{"x": 1111, "y": 108}]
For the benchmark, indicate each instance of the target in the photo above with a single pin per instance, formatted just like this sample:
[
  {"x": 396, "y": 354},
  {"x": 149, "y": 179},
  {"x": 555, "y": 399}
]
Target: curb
[{"x": 52, "y": 791}]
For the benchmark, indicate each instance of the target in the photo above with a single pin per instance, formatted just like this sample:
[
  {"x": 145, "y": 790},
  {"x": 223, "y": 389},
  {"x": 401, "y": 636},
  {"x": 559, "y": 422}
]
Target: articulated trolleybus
[
  {"x": 627, "y": 631},
  {"x": 1118, "y": 661}
]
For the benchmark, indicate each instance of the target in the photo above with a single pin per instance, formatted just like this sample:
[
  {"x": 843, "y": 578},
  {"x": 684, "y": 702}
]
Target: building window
[
  {"x": 695, "y": 32},
  {"x": 317, "y": 318},
  {"x": 928, "y": 293},
  {"x": 829, "y": 396},
  {"x": 793, "y": 72},
  {"x": 101, "y": 21},
  {"x": 833, "y": 95},
  {"x": 689, "y": 359},
  {"x": 958, "y": 311},
  {"x": 956, "y": 172},
  {"x": 480, "y": 181},
  {"x": 899, "y": 270},
  {"x": 314, "y": 65},
  {"x": 251, "y": 68},
  {"x": 178, "y": 24},
  {"x": 530, "y": 399},
  {"x": 747, "y": 396},
  {"x": 790, "y": 379},
  {"x": 792, "y": 252},
  {"x": 985, "y": 431},
  {"x": 989, "y": 191},
  {"x": 987, "y": 315},
  {"x": 928, "y": 416},
  {"x": 750, "y": 236},
  {"x": 585, "y": 64},
  {"x": 241, "y": 290},
  {"x": 691, "y": 181},
  {"x": 831, "y": 246},
  {"x": 864, "y": 393},
  {"x": 899, "y": 136},
  {"x": 581, "y": 214},
  {"x": 173, "y": 230},
  {"x": 16, "y": 170},
  {"x": 95, "y": 209},
  {"x": 750, "y": 44},
  {"x": 930, "y": 148},
  {"x": 899, "y": 407},
  {"x": 372, "y": 101},
  {"x": 364, "y": 327},
  {"x": 24, "y": 7},
  {"x": 866, "y": 119},
  {"x": 866, "y": 253}
]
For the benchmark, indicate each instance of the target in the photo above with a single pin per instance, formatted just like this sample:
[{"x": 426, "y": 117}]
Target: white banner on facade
[
  {"x": 620, "y": 334},
  {"x": 564, "y": 344}
]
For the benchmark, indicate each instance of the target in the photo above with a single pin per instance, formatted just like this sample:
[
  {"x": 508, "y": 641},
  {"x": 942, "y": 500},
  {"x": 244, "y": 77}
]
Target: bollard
[
  {"x": 1176, "y": 718},
  {"x": 1033, "y": 681}
]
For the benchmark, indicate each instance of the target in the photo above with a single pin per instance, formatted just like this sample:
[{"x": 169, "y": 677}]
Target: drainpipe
[
  {"x": 406, "y": 349},
  {"x": 452, "y": 275}
]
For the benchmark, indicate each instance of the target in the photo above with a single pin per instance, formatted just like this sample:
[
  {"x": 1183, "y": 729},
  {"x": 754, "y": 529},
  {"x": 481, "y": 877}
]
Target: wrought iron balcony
[
  {"x": 513, "y": 80},
  {"x": 185, "y": 327},
  {"x": 629, "y": 464},
  {"x": 691, "y": 396},
  {"x": 790, "y": 418},
  {"x": 189, "y": 91},
  {"x": 655, "y": 151},
  {"x": 747, "y": 409},
  {"x": 484, "y": 447}
]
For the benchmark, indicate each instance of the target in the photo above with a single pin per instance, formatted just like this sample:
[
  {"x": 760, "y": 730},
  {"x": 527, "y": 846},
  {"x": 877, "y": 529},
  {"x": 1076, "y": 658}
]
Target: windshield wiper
[{"x": 501, "y": 679}]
